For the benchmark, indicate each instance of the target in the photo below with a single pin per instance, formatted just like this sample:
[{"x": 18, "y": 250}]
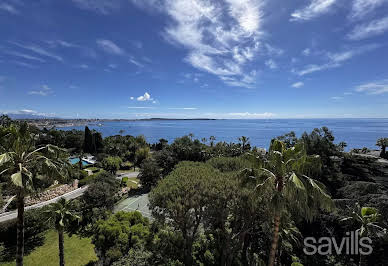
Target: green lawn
[{"x": 78, "y": 252}]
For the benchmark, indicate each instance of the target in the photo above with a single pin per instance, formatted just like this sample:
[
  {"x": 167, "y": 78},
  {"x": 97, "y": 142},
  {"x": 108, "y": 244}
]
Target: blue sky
[{"x": 194, "y": 58}]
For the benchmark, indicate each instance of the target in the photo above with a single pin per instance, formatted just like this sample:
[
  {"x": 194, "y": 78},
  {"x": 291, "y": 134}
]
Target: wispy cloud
[
  {"x": 313, "y": 10},
  {"x": 39, "y": 50},
  {"x": 271, "y": 64},
  {"x": 361, "y": 8},
  {"x": 61, "y": 43},
  {"x": 334, "y": 60},
  {"x": 297, "y": 84},
  {"x": 337, "y": 98},
  {"x": 110, "y": 47},
  {"x": 374, "y": 88},
  {"x": 83, "y": 66},
  {"x": 44, "y": 91},
  {"x": 135, "y": 62},
  {"x": 140, "y": 107},
  {"x": 25, "y": 56},
  {"x": 366, "y": 30},
  {"x": 306, "y": 52},
  {"x": 9, "y": 8},
  {"x": 103, "y": 7},
  {"x": 221, "y": 37},
  {"x": 251, "y": 115},
  {"x": 183, "y": 108}
]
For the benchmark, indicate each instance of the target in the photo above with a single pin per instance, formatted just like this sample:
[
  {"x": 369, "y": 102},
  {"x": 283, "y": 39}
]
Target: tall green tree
[
  {"x": 23, "y": 163},
  {"x": 285, "y": 172},
  {"x": 62, "y": 214},
  {"x": 180, "y": 200},
  {"x": 112, "y": 164}
]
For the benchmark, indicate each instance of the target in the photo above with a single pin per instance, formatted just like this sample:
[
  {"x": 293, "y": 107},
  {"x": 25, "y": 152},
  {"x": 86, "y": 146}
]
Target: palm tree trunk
[
  {"x": 275, "y": 239},
  {"x": 20, "y": 229},
  {"x": 61, "y": 247}
]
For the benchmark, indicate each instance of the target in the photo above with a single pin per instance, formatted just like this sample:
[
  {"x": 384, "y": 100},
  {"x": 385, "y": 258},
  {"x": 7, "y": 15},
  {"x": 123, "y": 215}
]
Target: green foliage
[
  {"x": 150, "y": 173},
  {"x": 61, "y": 212},
  {"x": 93, "y": 142},
  {"x": 229, "y": 164},
  {"x": 96, "y": 203},
  {"x": 141, "y": 154},
  {"x": 114, "y": 237},
  {"x": 35, "y": 227},
  {"x": 180, "y": 198},
  {"x": 136, "y": 256},
  {"x": 112, "y": 164}
]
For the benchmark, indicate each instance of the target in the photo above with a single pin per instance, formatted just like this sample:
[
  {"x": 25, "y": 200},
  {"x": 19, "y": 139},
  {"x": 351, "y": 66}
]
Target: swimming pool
[{"x": 76, "y": 160}]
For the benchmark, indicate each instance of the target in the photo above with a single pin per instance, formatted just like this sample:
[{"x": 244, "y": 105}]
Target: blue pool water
[
  {"x": 357, "y": 133},
  {"x": 76, "y": 160}
]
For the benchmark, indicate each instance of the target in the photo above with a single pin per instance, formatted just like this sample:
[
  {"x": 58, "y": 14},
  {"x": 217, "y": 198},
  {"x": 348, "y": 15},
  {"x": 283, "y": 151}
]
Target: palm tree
[
  {"x": 292, "y": 190},
  {"x": 212, "y": 139},
  {"x": 368, "y": 218},
  {"x": 244, "y": 141},
  {"x": 22, "y": 163},
  {"x": 191, "y": 135},
  {"x": 62, "y": 214},
  {"x": 204, "y": 140}
]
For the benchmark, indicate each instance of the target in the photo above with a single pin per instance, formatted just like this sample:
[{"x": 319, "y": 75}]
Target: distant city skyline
[{"x": 234, "y": 59}]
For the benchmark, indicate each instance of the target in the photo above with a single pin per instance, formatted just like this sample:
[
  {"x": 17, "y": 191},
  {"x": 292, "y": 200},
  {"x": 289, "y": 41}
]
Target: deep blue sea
[{"x": 357, "y": 133}]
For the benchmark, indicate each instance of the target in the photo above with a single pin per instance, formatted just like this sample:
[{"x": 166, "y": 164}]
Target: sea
[{"x": 357, "y": 133}]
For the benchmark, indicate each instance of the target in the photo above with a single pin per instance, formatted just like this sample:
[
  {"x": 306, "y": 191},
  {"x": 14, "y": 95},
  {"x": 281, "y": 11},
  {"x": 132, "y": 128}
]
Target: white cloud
[
  {"x": 9, "y": 8},
  {"x": 251, "y": 115},
  {"x": 132, "y": 98},
  {"x": 306, "y": 52},
  {"x": 25, "y": 56},
  {"x": 273, "y": 51},
  {"x": 145, "y": 97},
  {"x": 100, "y": 6},
  {"x": 183, "y": 108},
  {"x": 39, "y": 50},
  {"x": 135, "y": 62},
  {"x": 28, "y": 111},
  {"x": 361, "y": 8},
  {"x": 140, "y": 107},
  {"x": 334, "y": 60},
  {"x": 337, "y": 98},
  {"x": 366, "y": 30},
  {"x": 62, "y": 43},
  {"x": 313, "y": 10},
  {"x": 110, "y": 47},
  {"x": 45, "y": 91},
  {"x": 83, "y": 66},
  {"x": 297, "y": 84},
  {"x": 113, "y": 66},
  {"x": 271, "y": 64},
  {"x": 374, "y": 88},
  {"x": 221, "y": 37}
]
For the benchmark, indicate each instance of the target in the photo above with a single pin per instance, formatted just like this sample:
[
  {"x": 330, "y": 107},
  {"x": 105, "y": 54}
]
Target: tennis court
[{"x": 135, "y": 203}]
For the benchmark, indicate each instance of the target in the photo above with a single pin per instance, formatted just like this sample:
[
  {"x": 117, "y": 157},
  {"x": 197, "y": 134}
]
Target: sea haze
[{"x": 357, "y": 133}]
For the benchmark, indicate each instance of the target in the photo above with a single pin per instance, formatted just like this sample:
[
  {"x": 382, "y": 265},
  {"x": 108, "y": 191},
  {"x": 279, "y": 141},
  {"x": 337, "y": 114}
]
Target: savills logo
[{"x": 352, "y": 244}]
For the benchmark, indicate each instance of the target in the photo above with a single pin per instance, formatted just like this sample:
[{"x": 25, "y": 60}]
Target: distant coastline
[{"x": 59, "y": 122}]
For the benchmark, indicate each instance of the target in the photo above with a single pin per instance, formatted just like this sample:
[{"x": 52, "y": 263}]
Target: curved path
[{"x": 6, "y": 216}]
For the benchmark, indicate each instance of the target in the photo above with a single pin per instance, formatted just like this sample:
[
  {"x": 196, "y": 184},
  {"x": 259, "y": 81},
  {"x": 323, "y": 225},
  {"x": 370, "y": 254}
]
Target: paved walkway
[
  {"x": 135, "y": 203},
  {"x": 6, "y": 216}
]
